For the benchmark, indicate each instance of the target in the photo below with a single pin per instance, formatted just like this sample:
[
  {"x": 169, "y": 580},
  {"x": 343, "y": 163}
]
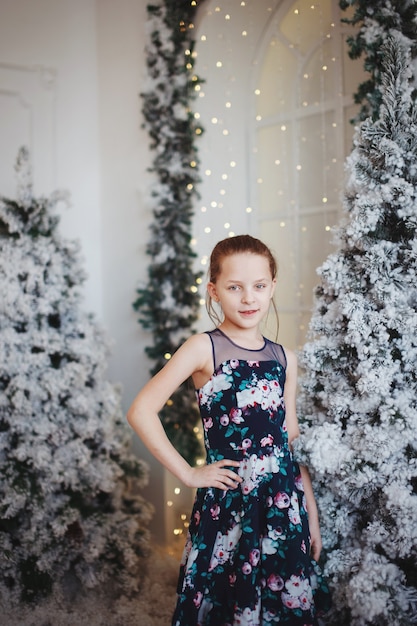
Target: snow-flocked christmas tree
[
  {"x": 358, "y": 392},
  {"x": 68, "y": 518}
]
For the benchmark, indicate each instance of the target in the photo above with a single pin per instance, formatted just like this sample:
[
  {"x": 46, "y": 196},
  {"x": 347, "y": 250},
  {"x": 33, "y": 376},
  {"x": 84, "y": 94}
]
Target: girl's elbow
[
  {"x": 129, "y": 418},
  {"x": 132, "y": 415}
]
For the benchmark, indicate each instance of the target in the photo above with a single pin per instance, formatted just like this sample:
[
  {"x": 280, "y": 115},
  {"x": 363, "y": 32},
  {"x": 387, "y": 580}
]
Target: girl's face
[{"x": 244, "y": 289}]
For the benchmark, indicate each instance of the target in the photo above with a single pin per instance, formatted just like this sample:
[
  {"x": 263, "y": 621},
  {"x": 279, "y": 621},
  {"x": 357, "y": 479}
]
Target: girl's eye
[
  {"x": 234, "y": 287},
  {"x": 260, "y": 286}
]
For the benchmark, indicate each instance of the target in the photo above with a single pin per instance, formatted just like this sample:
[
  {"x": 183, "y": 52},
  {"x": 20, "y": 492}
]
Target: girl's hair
[{"x": 236, "y": 245}]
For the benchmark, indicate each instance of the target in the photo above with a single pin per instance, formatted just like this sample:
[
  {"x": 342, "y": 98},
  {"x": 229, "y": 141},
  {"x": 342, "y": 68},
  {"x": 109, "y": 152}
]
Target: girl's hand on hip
[{"x": 216, "y": 474}]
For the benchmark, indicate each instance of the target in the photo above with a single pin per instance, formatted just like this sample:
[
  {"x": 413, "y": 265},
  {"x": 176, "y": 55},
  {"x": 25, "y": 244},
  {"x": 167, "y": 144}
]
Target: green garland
[
  {"x": 169, "y": 303},
  {"x": 377, "y": 20}
]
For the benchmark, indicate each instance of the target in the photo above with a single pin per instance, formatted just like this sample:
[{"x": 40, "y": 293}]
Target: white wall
[
  {"x": 124, "y": 159},
  {"x": 70, "y": 77},
  {"x": 48, "y": 60}
]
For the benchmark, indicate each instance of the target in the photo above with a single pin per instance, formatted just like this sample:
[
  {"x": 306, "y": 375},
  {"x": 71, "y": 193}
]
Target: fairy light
[{"x": 232, "y": 32}]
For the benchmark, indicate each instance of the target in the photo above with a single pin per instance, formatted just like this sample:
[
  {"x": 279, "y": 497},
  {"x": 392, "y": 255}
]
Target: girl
[{"x": 251, "y": 552}]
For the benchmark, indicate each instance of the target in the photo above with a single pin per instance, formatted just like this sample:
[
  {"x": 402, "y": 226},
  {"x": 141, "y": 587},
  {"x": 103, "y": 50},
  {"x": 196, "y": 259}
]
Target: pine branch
[{"x": 168, "y": 304}]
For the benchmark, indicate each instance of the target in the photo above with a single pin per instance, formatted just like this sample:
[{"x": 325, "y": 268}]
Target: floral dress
[{"x": 247, "y": 558}]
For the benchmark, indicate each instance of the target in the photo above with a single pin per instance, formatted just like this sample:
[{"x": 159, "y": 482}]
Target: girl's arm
[
  {"x": 195, "y": 355},
  {"x": 290, "y": 390}
]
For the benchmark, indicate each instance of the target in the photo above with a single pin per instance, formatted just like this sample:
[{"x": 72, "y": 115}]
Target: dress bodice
[{"x": 242, "y": 404}]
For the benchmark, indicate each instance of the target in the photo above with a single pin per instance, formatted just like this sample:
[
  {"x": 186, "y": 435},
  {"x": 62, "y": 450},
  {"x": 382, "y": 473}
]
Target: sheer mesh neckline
[
  {"x": 225, "y": 349},
  {"x": 239, "y": 346}
]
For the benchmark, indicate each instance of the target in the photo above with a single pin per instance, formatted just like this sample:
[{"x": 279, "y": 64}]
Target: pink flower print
[
  {"x": 267, "y": 441},
  {"x": 303, "y": 547},
  {"x": 246, "y": 444},
  {"x": 224, "y": 420},
  {"x": 275, "y": 582},
  {"x": 249, "y": 397},
  {"x": 305, "y": 601},
  {"x": 236, "y": 416},
  {"x": 254, "y": 557},
  {"x": 299, "y": 594},
  {"x": 253, "y": 363},
  {"x": 197, "y": 517},
  {"x": 234, "y": 363},
  {"x": 299, "y": 483},
  {"x": 246, "y": 568},
  {"x": 232, "y": 579},
  {"x": 296, "y": 585},
  {"x": 248, "y": 486},
  {"x": 208, "y": 423},
  {"x": 269, "y": 501},
  {"x": 282, "y": 500},
  {"x": 215, "y": 511},
  {"x": 197, "y": 599},
  {"x": 294, "y": 516},
  {"x": 290, "y": 601}
]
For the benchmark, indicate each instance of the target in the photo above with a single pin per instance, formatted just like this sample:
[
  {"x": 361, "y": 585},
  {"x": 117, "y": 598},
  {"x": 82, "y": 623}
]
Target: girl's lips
[{"x": 251, "y": 312}]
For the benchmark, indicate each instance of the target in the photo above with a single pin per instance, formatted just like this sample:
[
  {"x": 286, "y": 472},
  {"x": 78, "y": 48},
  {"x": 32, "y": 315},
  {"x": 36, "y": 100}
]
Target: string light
[{"x": 292, "y": 134}]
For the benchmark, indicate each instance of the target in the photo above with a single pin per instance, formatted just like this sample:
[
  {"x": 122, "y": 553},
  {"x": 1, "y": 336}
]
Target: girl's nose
[{"x": 248, "y": 296}]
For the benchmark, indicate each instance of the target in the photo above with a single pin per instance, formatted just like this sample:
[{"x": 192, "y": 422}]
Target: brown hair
[{"x": 237, "y": 245}]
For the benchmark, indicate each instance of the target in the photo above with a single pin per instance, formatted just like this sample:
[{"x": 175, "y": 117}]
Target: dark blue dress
[{"x": 247, "y": 557}]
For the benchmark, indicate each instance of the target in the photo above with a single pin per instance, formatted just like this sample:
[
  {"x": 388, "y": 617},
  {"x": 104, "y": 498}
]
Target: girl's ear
[
  {"x": 274, "y": 284},
  {"x": 211, "y": 288}
]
